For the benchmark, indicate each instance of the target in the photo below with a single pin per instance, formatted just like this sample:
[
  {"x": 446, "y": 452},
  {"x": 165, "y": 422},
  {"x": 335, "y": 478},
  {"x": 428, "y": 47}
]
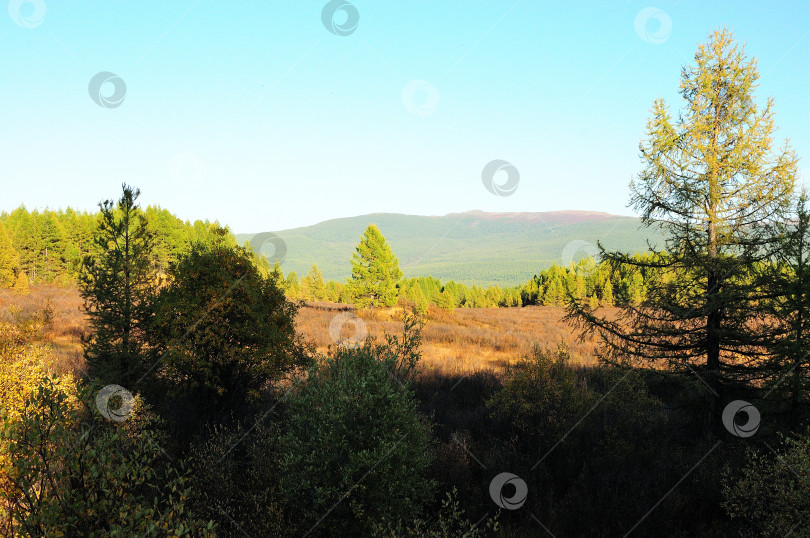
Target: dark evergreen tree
[{"x": 118, "y": 286}]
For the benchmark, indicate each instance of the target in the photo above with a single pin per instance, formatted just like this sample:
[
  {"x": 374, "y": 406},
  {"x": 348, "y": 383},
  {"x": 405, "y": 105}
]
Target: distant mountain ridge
[{"x": 474, "y": 247}]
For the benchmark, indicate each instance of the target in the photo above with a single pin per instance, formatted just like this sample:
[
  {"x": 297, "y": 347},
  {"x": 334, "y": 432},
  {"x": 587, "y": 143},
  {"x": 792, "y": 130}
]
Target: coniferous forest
[{"x": 199, "y": 409}]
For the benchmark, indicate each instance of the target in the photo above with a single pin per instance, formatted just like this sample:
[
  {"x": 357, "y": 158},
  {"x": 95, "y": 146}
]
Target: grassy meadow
[{"x": 460, "y": 341}]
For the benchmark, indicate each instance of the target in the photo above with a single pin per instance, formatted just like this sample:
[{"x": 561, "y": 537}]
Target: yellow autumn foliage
[{"x": 24, "y": 363}]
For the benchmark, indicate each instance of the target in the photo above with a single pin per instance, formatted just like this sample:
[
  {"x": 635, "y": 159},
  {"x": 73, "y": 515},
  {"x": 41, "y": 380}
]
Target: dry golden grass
[
  {"x": 465, "y": 340},
  {"x": 68, "y": 322},
  {"x": 462, "y": 341}
]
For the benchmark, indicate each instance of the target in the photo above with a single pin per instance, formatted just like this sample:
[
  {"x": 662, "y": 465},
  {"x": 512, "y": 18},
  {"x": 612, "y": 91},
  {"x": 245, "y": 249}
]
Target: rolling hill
[{"x": 473, "y": 247}]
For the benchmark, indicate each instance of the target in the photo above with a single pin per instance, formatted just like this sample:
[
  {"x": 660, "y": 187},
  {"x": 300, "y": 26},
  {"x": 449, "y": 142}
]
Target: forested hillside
[{"x": 474, "y": 248}]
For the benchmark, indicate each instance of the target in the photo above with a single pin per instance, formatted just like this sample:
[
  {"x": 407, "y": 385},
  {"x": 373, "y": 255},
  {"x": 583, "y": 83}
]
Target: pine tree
[
  {"x": 446, "y": 300},
  {"x": 333, "y": 291},
  {"x": 26, "y": 238},
  {"x": 312, "y": 285},
  {"x": 21, "y": 284},
  {"x": 53, "y": 243},
  {"x": 278, "y": 275},
  {"x": 118, "y": 288},
  {"x": 711, "y": 179},
  {"x": 607, "y": 294},
  {"x": 416, "y": 296},
  {"x": 375, "y": 271},
  {"x": 8, "y": 259},
  {"x": 292, "y": 287}
]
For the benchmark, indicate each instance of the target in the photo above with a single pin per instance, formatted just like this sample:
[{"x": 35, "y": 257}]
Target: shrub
[
  {"x": 223, "y": 331},
  {"x": 355, "y": 449},
  {"x": 71, "y": 473},
  {"x": 769, "y": 495},
  {"x": 450, "y": 522}
]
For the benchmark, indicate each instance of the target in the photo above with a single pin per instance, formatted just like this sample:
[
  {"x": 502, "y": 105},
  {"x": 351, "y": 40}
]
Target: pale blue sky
[{"x": 253, "y": 113}]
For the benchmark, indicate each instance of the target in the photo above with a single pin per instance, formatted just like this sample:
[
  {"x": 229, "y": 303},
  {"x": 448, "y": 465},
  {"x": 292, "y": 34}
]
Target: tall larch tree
[
  {"x": 785, "y": 284},
  {"x": 713, "y": 182},
  {"x": 375, "y": 271}
]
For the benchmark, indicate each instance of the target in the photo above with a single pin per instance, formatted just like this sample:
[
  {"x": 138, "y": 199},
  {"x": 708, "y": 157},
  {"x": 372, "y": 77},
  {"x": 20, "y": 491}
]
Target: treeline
[
  {"x": 586, "y": 280},
  {"x": 49, "y": 246}
]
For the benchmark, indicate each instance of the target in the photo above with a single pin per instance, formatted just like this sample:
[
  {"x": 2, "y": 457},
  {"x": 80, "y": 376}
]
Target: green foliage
[
  {"x": 375, "y": 271},
  {"x": 583, "y": 434},
  {"x": 235, "y": 480},
  {"x": 51, "y": 245},
  {"x": 542, "y": 396},
  {"x": 72, "y": 473},
  {"x": 9, "y": 260},
  {"x": 415, "y": 295},
  {"x": 769, "y": 495},
  {"x": 312, "y": 285},
  {"x": 470, "y": 243},
  {"x": 359, "y": 404},
  {"x": 292, "y": 287},
  {"x": 450, "y": 522},
  {"x": 21, "y": 284},
  {"x": 222, "y": 331},
  {"x": 118, "y": 286},
  {"x": 787, "y": 282},
  {"x": 713, "y": 180}
]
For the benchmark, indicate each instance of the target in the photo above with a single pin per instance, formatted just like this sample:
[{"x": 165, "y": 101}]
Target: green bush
[
  {"x": 583, "y": 433},
  {"x": 449, "y": 522},
  {"x": 223, "y": 331},
  {"x": 769, "y": 496},
  {"x": 235, "y": 480},
  {"x": 355, "y": 451}
]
